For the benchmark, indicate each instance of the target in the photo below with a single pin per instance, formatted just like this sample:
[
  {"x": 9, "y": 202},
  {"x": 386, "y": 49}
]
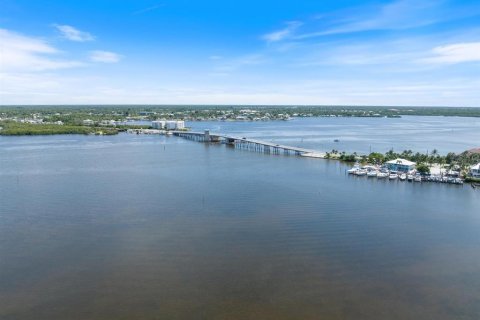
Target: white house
[
  {"x": 400, "y": 165},
  {"x": 88, "y": 122},
  {"x": 475, "y": 170}
]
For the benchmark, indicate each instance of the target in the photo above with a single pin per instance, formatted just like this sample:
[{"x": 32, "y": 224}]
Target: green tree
[
  {"x": 376, "y": 158},
  {"x": 423, "y": 168}
]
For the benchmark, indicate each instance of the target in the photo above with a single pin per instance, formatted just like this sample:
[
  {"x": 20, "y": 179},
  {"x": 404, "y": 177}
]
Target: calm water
[
  {"x": 363, "y": 135},
  {"x": 151, "y": 227}
]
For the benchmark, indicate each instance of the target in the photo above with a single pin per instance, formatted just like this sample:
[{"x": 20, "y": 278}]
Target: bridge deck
[
  {"x": 247, "y": 140},
  {"x": 271, "y": 144}
]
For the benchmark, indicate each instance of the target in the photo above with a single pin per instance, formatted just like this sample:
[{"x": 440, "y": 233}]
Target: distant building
[
  {"x": 175, "y": 125},
  {"x": 158, "y": 124},
  {"x": 88, "y": 122},
  {"x": 400, "y": 165},
  {"x": 475, "y": 170},
  {"x": 180, "y": 125}
]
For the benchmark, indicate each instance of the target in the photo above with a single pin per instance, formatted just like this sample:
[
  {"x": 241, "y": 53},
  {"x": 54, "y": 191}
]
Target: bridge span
[{"x": 248, "y": 143}]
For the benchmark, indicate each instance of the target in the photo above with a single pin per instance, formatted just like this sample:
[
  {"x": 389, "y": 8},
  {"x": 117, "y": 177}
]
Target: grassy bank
[{"x": 11, "y": 128}]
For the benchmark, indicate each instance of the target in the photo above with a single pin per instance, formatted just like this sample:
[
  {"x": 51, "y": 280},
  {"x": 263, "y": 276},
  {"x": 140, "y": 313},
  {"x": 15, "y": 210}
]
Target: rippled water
[
  {"x": 151, "y": 227},
  {"x": 362, "y": 135}
]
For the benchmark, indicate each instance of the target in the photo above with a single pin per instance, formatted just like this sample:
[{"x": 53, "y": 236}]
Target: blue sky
[{"x": 400, "y": 52}]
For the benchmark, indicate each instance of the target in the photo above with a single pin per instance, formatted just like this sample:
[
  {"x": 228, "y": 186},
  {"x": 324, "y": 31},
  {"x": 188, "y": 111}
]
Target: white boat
[
  {"x": 361, "y": 172},
  {"x": 393, "y": 176},
  {"x": 354, "y": 169},
  {"x": 371, "y": 173},
  {"x": 418, "y": 179},
  {"x": 382, "y": 175},
  {"x": 410, "y": 177},
  {"x": 402, "y": 177}
]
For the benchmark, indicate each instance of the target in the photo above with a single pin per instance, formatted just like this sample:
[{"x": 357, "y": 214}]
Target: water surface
[{"x": 153, "y": 227}]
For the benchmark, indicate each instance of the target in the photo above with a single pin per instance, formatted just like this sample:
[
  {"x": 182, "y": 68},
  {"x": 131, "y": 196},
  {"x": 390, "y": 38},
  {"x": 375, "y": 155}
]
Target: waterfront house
[
  {"x": 88, "y": 122},
  {"x": 475, "y": 170},
  {"x": 400, "y": 165}
]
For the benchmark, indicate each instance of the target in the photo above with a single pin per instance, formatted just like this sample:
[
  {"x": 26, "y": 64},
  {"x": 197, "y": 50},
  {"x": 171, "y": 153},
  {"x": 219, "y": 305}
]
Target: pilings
[
  {"x": 263, "y": 147},
  {"x": 242, "y": 143},
  {"x": 199, "y": 137}
]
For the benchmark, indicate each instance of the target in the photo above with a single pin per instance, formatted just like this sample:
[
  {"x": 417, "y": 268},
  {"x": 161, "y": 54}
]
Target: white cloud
[
  {"x": 455, "y": 53},
  {"x": 23, "y": 53},
  {"x": 395, "y": 15},
  {"x": 73, "y": 34},
  {"x": 104, "y": 56},
  {"x": 283, "y": 33},
  {"x": 145, "y": 10}
]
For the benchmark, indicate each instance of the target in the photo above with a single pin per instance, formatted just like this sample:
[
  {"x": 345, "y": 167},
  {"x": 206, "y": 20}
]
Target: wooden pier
[{"x": 247, "y": 143}]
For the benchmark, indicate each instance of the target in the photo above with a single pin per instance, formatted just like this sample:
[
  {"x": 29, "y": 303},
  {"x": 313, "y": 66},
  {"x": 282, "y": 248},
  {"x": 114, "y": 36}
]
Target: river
[{"x": 156, "y": 227}]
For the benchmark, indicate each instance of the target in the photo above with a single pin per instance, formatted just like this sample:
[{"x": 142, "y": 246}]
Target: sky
[{"x": 395, "y": 53}]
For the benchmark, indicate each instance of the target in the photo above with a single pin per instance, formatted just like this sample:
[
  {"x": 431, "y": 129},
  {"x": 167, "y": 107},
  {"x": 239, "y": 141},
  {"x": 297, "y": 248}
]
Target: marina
[{"x": 381, "y": 172}]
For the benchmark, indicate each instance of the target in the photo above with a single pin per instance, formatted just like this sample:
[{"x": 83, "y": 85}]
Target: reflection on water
[{"x": 149, "y": 227}]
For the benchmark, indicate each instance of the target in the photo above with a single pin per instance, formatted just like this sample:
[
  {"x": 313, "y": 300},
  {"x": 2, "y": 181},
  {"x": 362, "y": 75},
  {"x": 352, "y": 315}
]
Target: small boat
[
  {"x": 354, "y": 169},
  {"x": 361, "y": 172},
  {"x": 393, "y": 176},
  {"x": 336, "y": 140},
  {"x": 402, "y": 177},
  {"x": 417, "y": 179},
  {"x": 372, "y": 173},
  {"x": 410, "y": 177},
  {"x": 382, "y": 175}
]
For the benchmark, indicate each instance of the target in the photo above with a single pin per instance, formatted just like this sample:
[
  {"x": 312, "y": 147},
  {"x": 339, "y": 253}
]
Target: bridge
[{"x": 248, "y": 143}]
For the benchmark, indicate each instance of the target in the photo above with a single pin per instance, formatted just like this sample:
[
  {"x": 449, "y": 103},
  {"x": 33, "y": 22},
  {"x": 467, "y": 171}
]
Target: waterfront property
[
  {"x": 475, "y": 170},
  {"x": 400, "y": 165}
]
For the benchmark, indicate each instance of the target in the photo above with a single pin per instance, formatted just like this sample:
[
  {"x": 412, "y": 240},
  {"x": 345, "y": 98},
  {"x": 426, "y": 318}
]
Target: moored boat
[
  {"x": 402, "y": 177},
  {"x": 361, "y": 172},
  {"x": 372, "y": 173},
  {"x": 393, "y": 175},
  {"x": 354, "y": 169},
  {"x": 382, "y": 175}
]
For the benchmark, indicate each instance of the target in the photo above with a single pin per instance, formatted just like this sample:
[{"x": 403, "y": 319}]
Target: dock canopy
[
  {"x": 400, "y": 165},
  {"x": 475, "y": 170}
]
